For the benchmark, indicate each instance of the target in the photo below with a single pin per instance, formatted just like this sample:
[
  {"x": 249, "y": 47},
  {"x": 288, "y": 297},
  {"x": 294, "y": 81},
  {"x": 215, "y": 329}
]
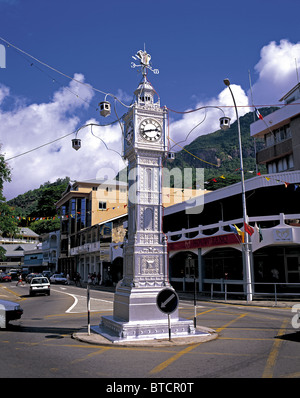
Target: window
[
  {"x": 102, "y": 205},
  {"x": 269, "y": 139},
  {"x": 291, "y": 161}
]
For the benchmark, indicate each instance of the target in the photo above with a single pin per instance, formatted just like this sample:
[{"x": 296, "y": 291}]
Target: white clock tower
[{"x": 136, "y": 314}]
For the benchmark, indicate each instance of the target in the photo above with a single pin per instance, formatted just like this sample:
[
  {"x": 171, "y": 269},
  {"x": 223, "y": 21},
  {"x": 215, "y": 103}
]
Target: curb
[{"x": 98, "y": 339}]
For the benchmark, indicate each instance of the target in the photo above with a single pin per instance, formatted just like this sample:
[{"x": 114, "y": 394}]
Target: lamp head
[
  {"x": 76, "y": 143},
  {"x": 226, "y": 82},
  {"x": 225, "y": 123}
]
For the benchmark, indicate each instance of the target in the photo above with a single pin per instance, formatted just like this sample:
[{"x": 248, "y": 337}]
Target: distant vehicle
[
  {"x": 58, "y": 278},
  {"x": 5, "y": 277},
  {"x": 39, "y": 285},
  {"x": 47, "y": 274},
  {"x": 12, "y": 311},
  {"x": 30, "y": 276},
  {"x": 13, "y": 274}
]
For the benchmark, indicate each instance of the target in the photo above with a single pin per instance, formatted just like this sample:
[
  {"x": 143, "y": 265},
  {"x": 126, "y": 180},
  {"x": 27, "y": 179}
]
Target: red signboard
[{"x": 219, "y": 240}]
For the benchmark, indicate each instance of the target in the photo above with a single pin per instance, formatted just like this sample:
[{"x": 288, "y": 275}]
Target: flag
[
  {"x": 259, "y": 232},
  {"x": 258, "y": 114},
  {"x": 233, "y": 229},
  {"x": 238, "y": 230},
  {"x": 248, "y": 229}
]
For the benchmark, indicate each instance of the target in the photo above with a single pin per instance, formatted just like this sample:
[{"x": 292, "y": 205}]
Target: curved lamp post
[{"x": 246, "y": 245}]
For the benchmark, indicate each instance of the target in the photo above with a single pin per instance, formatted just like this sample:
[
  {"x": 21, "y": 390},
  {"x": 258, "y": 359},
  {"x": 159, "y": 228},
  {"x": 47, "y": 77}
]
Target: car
[
  {"x": 5, "y": 277},
  {"x": 30, "y": 276},
  {"x": 40, "y": 284},
  {"x": 9, "y": 311},
  {"x": 58, "y": 278},
  {"x": 47, "y": 274},
  {"x": 13, "y": 275}
]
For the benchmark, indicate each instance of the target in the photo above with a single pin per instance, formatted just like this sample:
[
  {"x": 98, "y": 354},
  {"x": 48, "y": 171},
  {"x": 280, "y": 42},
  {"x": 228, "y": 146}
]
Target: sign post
[{"x": 167, "y": 302}]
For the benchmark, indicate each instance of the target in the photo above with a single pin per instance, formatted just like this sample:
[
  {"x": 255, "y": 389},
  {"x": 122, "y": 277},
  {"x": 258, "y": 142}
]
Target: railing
[
  {"x": 222, "y": 227},
  {"x": 269, "y": 289},
  {"x": 228, "y": 288}
]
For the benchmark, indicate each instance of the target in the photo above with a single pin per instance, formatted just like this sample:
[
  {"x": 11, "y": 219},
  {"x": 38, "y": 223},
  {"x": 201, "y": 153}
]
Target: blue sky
[{"x": 194, "y": 44}]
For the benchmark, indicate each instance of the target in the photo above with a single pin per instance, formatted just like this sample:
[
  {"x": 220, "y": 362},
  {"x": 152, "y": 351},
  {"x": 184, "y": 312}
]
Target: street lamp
[{"x": 246, "y": 245}]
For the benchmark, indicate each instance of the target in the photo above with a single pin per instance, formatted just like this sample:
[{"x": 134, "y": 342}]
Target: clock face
[{"x": 150, "y": 130}]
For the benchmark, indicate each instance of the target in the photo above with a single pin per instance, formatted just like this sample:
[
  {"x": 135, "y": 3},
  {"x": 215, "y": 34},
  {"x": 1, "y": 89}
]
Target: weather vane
[{"x": 144, "y": 58}]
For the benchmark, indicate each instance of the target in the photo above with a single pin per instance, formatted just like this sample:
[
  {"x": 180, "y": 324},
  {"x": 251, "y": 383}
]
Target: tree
[{"x": 8, "y": 222}]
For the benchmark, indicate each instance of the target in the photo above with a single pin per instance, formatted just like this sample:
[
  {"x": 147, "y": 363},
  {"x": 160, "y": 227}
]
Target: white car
[
  {"x": 40, "y": 284},
  {"x": 9, "y": 311},
  {"x": 58, "y": 278}
]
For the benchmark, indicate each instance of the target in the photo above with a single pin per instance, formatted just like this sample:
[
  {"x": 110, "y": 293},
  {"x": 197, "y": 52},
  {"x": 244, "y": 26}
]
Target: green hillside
[{"x": 219, "y": 153}]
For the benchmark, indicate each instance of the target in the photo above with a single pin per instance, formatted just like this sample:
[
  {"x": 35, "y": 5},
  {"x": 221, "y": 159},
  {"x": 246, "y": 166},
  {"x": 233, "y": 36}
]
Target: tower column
[{"x": 136, "y": 314}]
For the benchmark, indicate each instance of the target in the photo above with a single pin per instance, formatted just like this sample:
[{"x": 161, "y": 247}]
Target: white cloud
[
  {"x": 206, "y": 120},
  {"x": 28, "y": 127},
  {"x": 276, "y": 72}
]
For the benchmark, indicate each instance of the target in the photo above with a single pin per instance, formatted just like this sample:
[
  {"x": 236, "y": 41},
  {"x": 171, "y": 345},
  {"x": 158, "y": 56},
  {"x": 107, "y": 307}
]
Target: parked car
[
  {"x": 58, "y": 278},
  {"x": 12, "y": 311},
  {"x": 39, "y": 285},
  {"x": 5, "y": 277},
  {"x": 32, "y": 275},
  {"x": 13, "y": 274},
  {"x": 47, "y": 274}
]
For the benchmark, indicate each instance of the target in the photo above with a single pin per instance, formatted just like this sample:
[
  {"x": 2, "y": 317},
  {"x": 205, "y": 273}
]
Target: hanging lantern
[
  {"x": 105, "y": 108},
  {"x": 76, "y": 143},
  {"x": 225, "y": 123}
]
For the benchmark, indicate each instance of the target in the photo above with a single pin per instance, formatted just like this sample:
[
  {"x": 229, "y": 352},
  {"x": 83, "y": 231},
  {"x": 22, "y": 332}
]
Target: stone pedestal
[{"x": 137, "y": 316}]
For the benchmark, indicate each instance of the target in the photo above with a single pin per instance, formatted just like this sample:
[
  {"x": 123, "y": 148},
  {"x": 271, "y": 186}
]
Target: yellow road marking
[
  {"x": 92, "y": 354},
  {"x": 271, "y": 361},
  {"x": 12, "y": 292},
  {"x": 175, "y": 357}
]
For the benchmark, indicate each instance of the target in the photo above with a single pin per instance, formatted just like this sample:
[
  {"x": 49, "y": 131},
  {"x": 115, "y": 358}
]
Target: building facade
[
  {"x": 205, "y": 246},
  {"x": 85, "y": 208},
  {"x": 281, "y": 133},
  {"x": 92, "y": 215}
]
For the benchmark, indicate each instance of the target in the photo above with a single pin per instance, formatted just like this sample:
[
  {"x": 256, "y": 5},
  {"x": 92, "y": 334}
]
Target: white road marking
[{"x": 81, "y": 303}]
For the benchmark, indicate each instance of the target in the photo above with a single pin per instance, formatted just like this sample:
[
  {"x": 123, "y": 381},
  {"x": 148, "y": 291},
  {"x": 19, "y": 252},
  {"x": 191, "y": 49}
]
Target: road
[{"x": 253, "y": 342}]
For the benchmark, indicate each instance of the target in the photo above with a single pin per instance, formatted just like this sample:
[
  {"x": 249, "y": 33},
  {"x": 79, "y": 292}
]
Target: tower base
[
  {"x": 115, "y": 330},
  {"x": 137, "y": 317}
]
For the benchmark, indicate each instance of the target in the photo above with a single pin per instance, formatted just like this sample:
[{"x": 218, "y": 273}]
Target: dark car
[
  {"x": 30, "y": 276},
  {"x": 5, "y": 277},
  {"x": 9, "y": 311}
]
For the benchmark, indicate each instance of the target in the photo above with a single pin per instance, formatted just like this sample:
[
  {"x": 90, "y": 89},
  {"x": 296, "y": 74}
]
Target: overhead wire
[
  {"x": 64, "y": 136},
  {"x": 22, "y": 52},
  {"x": 62, "y": 73}
]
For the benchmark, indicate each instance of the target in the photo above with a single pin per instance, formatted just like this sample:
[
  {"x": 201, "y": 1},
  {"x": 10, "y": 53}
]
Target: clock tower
[{"x": 136, "y": 313}]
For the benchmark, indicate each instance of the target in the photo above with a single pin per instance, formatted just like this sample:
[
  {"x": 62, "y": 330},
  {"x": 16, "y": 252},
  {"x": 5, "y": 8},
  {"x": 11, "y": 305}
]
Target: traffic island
[{"x": 98, "y": 336}]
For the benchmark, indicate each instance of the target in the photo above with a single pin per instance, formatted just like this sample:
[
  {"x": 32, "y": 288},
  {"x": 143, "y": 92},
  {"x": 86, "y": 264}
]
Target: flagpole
[{"x": 246, "y": 246}]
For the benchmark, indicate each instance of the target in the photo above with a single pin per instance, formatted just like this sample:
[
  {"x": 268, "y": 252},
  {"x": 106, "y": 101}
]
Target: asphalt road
[{"x": 253, "y": 342}]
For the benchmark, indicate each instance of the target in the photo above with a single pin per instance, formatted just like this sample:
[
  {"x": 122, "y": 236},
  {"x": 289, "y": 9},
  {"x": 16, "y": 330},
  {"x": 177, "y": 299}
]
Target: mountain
[
  {"x": 40, "y": 202},
  {"x": 218, "y": 154}
]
